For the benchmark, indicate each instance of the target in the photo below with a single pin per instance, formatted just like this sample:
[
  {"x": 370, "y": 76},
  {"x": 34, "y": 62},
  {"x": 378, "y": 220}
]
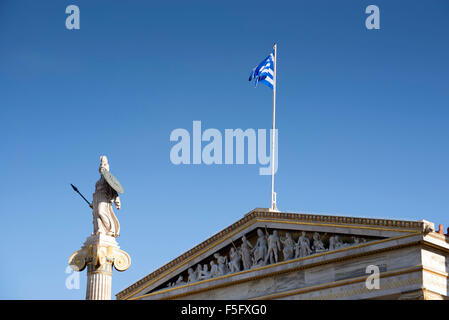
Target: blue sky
[{"x": 362, "y": 117}]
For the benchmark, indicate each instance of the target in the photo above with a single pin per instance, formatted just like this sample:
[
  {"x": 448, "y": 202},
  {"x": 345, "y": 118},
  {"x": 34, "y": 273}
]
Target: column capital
[{"x": 99, "y": 250}]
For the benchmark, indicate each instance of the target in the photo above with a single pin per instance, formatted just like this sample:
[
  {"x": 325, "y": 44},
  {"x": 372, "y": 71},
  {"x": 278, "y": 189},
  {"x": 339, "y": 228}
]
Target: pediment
[{"x": 264, "y": 240}]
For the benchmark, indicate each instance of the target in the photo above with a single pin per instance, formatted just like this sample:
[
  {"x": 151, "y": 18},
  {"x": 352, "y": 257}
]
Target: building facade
[{"x": 278, "y": 255}]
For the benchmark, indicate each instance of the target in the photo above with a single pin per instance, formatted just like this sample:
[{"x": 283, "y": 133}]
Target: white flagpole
[{"x": 273, "y": 194}]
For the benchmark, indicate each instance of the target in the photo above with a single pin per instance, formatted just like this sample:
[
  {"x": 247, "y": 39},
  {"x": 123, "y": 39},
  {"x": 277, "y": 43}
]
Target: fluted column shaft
[{"x": 99, "y": 282}]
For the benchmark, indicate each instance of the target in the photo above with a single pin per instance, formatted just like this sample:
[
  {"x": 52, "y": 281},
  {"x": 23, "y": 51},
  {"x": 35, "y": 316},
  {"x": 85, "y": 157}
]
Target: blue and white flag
[{"x": 264, "y": 72}]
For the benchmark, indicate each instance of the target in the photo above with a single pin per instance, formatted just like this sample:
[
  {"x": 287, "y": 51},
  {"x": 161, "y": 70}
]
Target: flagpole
[{"x": 273, "y": 194}]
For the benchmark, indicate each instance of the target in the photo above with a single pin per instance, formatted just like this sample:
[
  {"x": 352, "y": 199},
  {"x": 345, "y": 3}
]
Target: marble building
[{"x": 278, "y": 255}]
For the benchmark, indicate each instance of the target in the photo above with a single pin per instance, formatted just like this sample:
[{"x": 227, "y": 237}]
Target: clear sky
[{"x": 362, "y": 117}]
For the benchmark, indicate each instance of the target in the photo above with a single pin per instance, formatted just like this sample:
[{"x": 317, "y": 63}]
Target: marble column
[{"x": 98, "y": 254}]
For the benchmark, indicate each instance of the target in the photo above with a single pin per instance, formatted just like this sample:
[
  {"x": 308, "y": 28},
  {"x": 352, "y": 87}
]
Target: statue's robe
[{"x": 105, "y": 220}]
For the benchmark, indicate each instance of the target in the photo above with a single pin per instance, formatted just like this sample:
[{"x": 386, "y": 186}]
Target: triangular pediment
[{"x": 264, "y": 240}]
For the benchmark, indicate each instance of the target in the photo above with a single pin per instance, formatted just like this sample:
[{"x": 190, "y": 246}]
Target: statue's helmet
[{"x": 104, "y": 163}]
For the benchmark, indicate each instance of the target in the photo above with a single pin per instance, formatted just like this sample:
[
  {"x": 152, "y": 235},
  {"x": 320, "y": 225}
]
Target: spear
[
  {"x": 234, "y": 245},
  {"x": 237, "y": 250},
  {"x": 266, "y": 232},
  {"x": 77, "y": 191}
]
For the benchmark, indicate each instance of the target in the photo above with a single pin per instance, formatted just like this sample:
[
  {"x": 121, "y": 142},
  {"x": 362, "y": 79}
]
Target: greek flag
[{"x": 264, "y": 72}]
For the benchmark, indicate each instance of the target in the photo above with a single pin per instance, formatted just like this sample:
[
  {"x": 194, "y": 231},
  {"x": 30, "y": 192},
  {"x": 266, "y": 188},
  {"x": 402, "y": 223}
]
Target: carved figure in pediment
[
  {"x": 260, "y": 250},
  {"x": 358, "y": 240},
  {"x": 191, "y": 276},
  {"x": 289, "y": 246},
  {"x": 317, "y": 243},
  {"x": 198, "y": 271},
  {"x": 179, "y": 281},
  {"x": 234, "y": 264},
  {"x": 204, "y": 274},
  {"x": 245, "y": 251},
  {"x": 339, "y": 243},
  {"x": 222, "y": 264},
  {"x": 213, "y": 269},
  {"x": 274, "y": 245},
  {"x": 332, "y": 245},
  {"x": 302, "y": 248},
  {"x": 335, "y": 243}
]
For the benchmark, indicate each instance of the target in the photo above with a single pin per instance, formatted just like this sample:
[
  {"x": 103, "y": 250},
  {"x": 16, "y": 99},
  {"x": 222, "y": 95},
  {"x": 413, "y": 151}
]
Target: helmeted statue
[
  {"x": 105, "y": 221},
  {"x": 101, "y": 251}
]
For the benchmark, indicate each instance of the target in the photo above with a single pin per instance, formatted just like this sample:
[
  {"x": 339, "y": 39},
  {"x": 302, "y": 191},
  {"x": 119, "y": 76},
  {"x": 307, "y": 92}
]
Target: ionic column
[{"x": 99, "y": 253}]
